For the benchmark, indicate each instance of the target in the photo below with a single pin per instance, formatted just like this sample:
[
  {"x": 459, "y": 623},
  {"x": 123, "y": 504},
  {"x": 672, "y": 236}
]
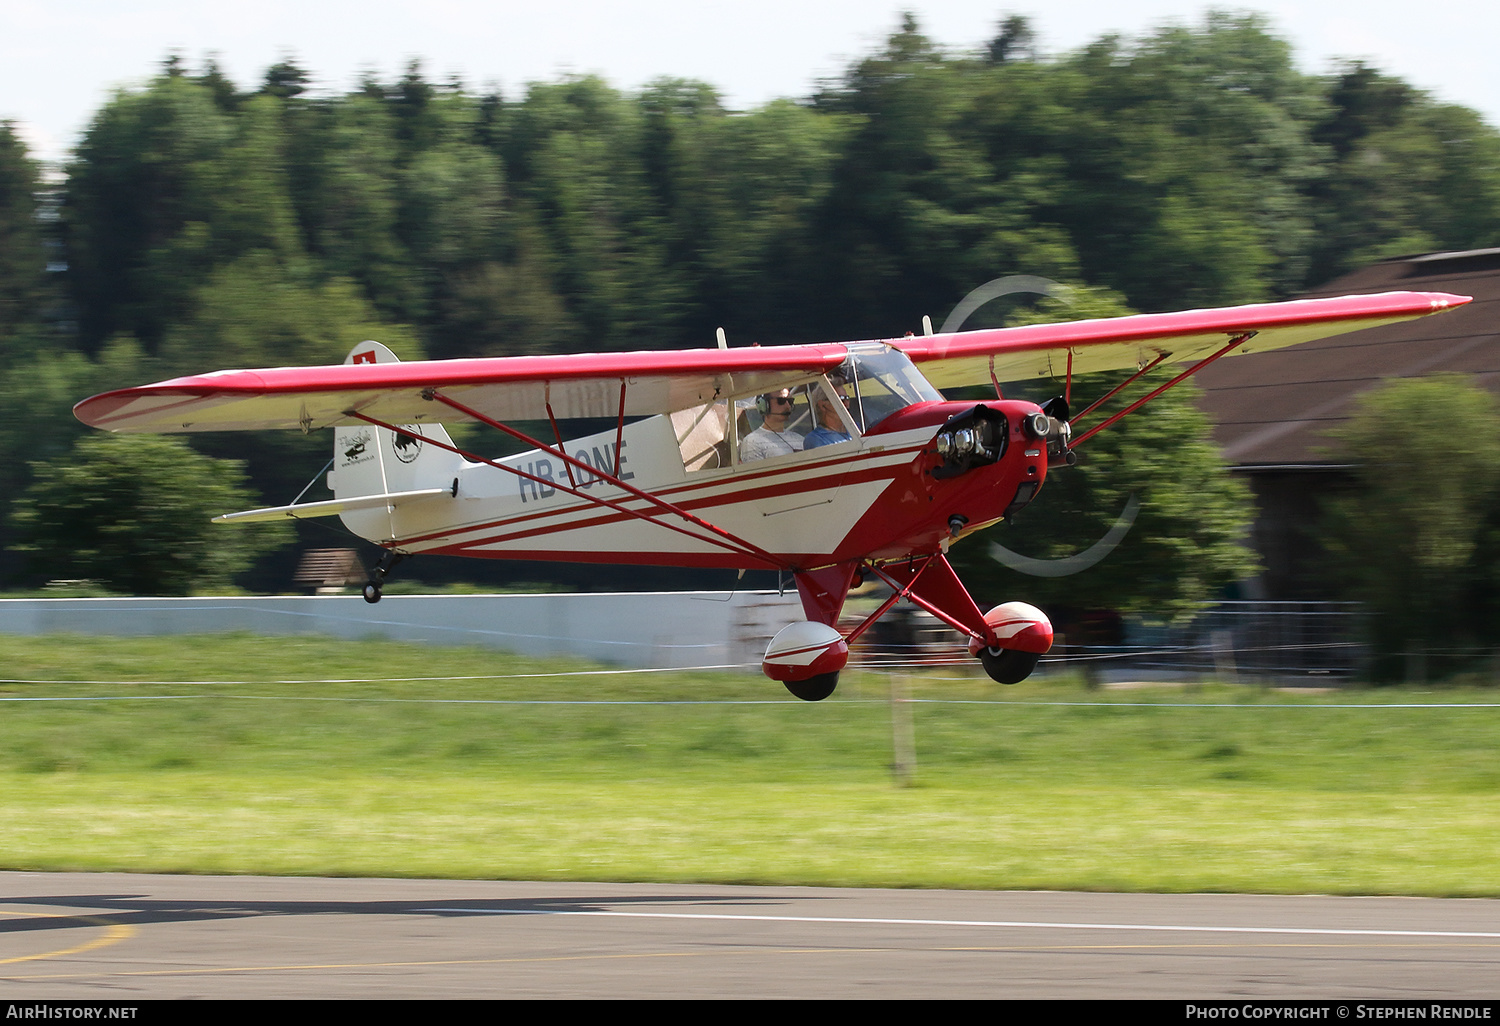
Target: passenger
[
  {"x": 830, "y": 429},
  {"x": 772, "y": 438}
]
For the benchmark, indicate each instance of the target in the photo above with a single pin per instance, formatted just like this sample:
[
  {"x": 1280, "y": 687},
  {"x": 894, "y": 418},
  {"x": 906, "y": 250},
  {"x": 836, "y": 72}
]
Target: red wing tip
[{"x": 1443, "y": 300}]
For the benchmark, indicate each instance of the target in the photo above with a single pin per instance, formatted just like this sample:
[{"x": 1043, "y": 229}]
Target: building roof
[{"x": 1277, "y": 408}]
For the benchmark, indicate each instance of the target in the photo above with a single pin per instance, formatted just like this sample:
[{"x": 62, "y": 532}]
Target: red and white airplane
[{"x": 832, "y": 462}]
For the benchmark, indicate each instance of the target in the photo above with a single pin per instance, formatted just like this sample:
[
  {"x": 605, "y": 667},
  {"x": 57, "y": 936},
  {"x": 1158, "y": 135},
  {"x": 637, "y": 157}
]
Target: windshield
[{"x": 883, "y": 381}]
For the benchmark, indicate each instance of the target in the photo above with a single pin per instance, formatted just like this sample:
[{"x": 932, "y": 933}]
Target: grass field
[{"x": 246, "y": 755}]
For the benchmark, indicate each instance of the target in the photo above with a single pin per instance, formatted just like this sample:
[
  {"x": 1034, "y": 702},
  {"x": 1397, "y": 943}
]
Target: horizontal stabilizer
[{"x": 331, "y": 507}]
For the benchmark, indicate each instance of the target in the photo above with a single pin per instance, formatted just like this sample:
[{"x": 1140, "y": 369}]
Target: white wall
[{"x": 647, "y": 629}]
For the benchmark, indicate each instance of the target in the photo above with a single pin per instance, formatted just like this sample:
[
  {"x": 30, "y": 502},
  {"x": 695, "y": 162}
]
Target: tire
[
  {"x": 1007, "y": 665},
  {"x": 372, "y": 592},
  {"x": 814, "y": 689}
]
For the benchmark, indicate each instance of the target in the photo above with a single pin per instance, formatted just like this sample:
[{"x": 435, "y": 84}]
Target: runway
[{"x": 122, "y": 937}]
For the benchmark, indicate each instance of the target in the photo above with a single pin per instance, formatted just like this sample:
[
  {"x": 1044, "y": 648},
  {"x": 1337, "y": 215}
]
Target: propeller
[
  {"x": 1056, "y": 409},
  {"x": 1076, "y": 563},
  {"x": 1010, "y": 285}
]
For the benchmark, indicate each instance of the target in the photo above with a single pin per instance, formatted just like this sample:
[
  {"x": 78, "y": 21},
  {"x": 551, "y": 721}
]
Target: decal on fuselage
[
  {"x": 356, "y": 448},
  {"x": 407, "y": 443}
]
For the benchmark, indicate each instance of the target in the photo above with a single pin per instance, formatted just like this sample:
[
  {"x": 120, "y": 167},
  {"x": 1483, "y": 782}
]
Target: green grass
[{"x": 269, "y": 765}]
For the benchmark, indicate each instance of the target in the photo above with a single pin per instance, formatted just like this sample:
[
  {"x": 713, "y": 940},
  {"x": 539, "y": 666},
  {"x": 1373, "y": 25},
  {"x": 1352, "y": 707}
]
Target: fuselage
[{"x": 872, "y": 497}]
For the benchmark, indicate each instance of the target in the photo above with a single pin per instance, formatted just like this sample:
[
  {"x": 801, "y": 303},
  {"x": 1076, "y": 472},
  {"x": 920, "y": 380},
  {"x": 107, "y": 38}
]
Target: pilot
[
  {"x": 772, "y": 438},
  {"x": 830, "y": 427}
]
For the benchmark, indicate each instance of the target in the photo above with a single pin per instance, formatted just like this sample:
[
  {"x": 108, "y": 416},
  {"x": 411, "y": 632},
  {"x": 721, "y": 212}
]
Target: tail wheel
[
  {"x": 1007, "y": 665},
  {"x": 814, "y": 689}
]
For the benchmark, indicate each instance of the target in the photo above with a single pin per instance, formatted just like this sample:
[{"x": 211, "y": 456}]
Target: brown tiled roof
[{"x": 1277, "y": 408}]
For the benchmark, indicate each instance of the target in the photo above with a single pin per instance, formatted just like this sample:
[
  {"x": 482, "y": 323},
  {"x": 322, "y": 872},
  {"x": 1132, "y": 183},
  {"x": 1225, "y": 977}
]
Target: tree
[
  {"x": 22, "y": 258},
  {"x": 166, "y": 187},
  {"x": 132, "y": 512},
  {"x": 285, "y": 79},
  {"x": 1409, "y": 175},
  {"x": 1187, "y": 543},
  {"x": 1188, "y": 159},
  {"x": 253, "y": 313},
  {"x": 1416, "y": 537},
  {"x": 1015, "y": 41},
  {"x": 349, "y": 203},
  {"x": 573, "y": 154},
  {"x": 917, "y": 213}
]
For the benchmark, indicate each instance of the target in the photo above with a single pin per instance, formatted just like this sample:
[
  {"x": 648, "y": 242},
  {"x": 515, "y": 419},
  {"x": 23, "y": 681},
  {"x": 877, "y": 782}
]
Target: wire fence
[
  {"x": 1257, "y": 639},
  {"x": 1302, "y": 641}
]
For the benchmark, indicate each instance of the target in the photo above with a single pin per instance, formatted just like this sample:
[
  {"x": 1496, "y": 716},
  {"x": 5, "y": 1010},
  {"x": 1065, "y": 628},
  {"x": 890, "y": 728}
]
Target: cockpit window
[
  {"x": 703, "y": 435},
  {"x": 883, "y": 381},
  {"x": 874, "y": 382}
]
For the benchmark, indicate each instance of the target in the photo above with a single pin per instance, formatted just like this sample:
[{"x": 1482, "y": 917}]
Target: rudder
[{"x": 371, "y": 460}]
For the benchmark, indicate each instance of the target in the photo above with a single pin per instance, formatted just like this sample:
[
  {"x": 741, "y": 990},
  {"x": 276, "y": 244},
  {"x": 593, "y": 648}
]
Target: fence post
[
  {"x": 903, "y": 743},
  {"x": 1223, "y": 646}
]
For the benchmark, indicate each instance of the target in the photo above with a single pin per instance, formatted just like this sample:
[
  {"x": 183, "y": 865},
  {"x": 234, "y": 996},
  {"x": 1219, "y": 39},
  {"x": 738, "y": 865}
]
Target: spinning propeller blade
[{"x": 1077, "y": 563}]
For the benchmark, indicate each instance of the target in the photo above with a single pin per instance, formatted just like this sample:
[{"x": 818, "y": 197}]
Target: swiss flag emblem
[{"x": 366, "y": 357}]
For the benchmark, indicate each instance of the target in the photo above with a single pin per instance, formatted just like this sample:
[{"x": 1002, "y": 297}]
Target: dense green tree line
[
  {"x": 199, "y": 226},
  {"x": 1193, "y": 166}
]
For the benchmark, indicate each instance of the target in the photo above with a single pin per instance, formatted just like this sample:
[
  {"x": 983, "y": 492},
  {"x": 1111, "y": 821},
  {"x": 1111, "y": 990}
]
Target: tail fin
[{"x": 370, "y": 460}]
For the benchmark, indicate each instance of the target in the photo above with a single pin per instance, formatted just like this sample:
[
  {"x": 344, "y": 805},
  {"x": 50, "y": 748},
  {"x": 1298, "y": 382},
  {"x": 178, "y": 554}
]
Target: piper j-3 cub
[{"x": 832, "y": 462}]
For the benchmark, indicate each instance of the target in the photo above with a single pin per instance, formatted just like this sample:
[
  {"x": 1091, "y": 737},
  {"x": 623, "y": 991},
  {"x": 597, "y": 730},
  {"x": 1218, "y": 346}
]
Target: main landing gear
[
  {"x": 1027, "y": 634},
  {"x": 807, "y": 655}
]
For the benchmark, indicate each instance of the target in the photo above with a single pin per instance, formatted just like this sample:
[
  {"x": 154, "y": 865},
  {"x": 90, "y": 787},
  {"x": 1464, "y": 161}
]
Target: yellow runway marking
[{"x": 113, "y": 934}]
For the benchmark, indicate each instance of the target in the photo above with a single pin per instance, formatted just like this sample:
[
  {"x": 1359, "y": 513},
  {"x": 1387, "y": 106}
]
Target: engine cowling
[
  {"x": 803, "y": 650},
  {"x": 1019, "y": 626}
]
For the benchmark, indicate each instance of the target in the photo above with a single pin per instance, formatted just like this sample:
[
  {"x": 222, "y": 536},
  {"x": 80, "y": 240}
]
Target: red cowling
[
  {"x": 1019, "y": 626},
  {"x": 804, "y": 650}
]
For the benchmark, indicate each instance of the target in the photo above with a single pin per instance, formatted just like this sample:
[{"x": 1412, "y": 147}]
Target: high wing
[
  {"x": 504, "y": 388},
  {"x": 590, "y": 385},
  {"x": 1116, "y": 343}
]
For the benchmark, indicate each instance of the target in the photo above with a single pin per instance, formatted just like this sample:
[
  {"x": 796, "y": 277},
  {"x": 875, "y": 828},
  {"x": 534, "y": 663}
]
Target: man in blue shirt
[{"x": 830, "y": 427}]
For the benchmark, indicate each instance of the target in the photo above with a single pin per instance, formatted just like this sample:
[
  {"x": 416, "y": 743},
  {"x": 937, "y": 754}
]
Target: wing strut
[
  {"x": 1091, "y": 407},
  {"x": 558, "y": 435},
  {"x": 1239, "y": 339},
  {"x": 620, "y": 429}
]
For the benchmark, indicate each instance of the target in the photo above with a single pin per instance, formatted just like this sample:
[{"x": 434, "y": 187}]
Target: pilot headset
[{"x": 763, "y": 402}]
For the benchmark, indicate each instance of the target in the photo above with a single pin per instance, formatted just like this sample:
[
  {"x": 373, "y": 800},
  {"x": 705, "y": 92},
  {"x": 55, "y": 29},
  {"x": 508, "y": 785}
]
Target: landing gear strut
[{"x": 387, "y": 562}]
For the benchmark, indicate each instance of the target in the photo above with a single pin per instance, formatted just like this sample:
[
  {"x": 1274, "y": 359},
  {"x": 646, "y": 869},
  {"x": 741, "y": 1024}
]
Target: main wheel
[
  {"x": 372, "y": 592},
  {"x": 813, "y": 689},
  {"x": 1007, "y": 665}
]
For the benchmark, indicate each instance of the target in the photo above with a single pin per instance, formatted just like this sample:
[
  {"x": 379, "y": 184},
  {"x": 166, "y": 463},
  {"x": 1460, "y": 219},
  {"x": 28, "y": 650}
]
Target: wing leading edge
[
  {"x": 507, "y": 389},
  {"x": 1117, "y": 343}
]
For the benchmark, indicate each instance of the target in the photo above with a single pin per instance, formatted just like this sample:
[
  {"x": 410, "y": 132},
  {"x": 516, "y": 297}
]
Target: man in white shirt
[{"x": 772, "y": 438}]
